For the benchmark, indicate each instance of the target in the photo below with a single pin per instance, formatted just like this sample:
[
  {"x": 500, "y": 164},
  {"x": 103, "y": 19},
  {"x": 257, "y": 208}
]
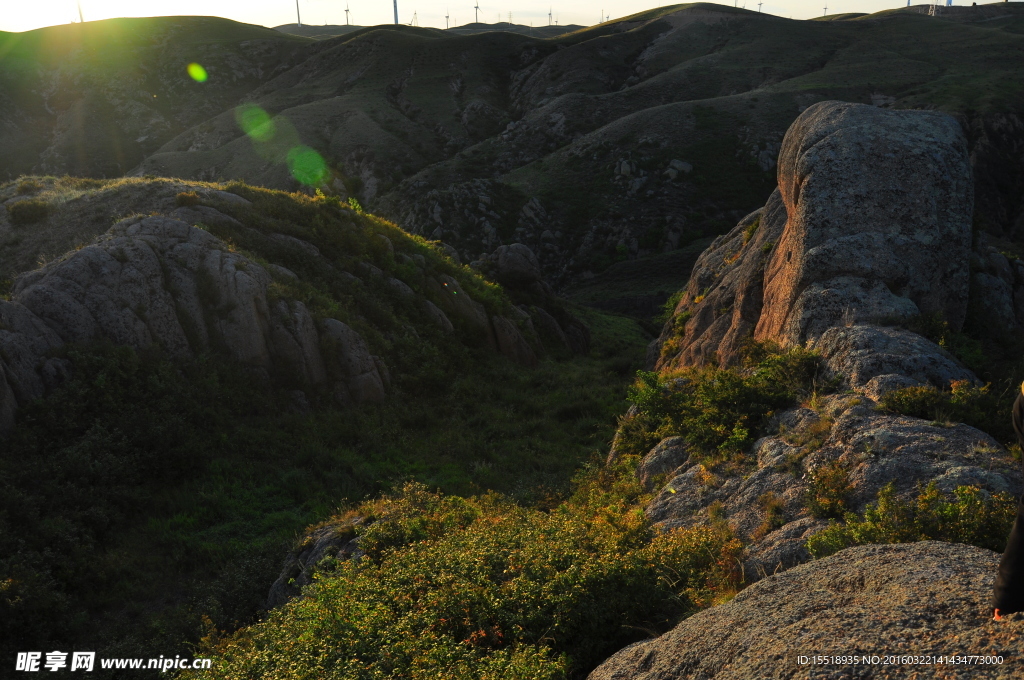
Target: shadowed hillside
[{"x": 613, "y": 142}]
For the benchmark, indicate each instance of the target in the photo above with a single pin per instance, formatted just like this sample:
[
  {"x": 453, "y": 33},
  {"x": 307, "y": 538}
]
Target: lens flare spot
[
  {"x": 197, "y": 72},
  {"x": 255, "y": 122},
  {"x": 307, "y": 166}
]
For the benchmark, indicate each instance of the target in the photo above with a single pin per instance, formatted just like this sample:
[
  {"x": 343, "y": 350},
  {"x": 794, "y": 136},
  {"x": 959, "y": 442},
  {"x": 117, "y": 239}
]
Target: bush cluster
[
  {"x": 28, "y": 211},
  {"x": 978, "y": 407},
  {"x": 968, "y": 515},
  {"x": 718, "y": 410},
  {"x": 187, "y": 198},
  {"x": 484, "y": 588}
]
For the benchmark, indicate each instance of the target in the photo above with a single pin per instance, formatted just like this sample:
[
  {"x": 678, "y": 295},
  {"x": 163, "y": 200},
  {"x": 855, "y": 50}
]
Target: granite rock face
[
  {"x": 724, "y": 297},
  {"x": 157, "y": 281},
  {"x": 879, "y": 206},
  {"x": 925, "y": 598},
  {"x": 871, "y": 223},
  {"x": 767, "y": 508},
  {"x": 878, "y": 359}
]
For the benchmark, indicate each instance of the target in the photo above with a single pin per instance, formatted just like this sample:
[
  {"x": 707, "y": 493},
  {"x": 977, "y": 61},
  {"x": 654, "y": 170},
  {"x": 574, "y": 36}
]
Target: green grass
[
  {"x": 142, "y": 495},
  {"x": 485, "y": 588}
]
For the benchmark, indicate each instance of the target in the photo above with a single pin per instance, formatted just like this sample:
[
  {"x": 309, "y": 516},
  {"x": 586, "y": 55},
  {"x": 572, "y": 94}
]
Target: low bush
[
  {"x": 484, "y": 588},
  {"x": 29, "y": 186},
  {"x": 718, "y": 410},
  {"x": 968, "y": 515},
  {"x": 828, "y": 488},
  {"x": 187, "y": 198},
  {"x": 978, "y": 407},
  {"x": 28, "y": 212}
]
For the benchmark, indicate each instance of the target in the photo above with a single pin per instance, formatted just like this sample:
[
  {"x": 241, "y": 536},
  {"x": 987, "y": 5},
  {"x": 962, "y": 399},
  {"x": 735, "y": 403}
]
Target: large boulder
[
  {"x": 879, "y": 205},
  {"x": 878, "y": 359},
  {"x": 911, "y": 601},
  {"x": 871, "y": 223},
  {"x": 157, "y": 281}
]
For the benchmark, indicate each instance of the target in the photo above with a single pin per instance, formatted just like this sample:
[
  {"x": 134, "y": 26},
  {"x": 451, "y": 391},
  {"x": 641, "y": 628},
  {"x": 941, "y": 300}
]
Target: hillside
[
  {"x": 183, "y": 392},
  {"x": 815, "y": 394},
  {"x": 331, "y": 31},
  {"x": 94, "y": 99},
  {"x": 616, "y": 141},
  {"x": 633, "y": 350},
  {"x": 608, "y": 143}
]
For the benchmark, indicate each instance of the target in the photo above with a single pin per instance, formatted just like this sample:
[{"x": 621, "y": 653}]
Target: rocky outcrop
[
  {"x": 920, "y": 599},
  {"x": 768, "y": 507},
  {"x": 157, "y": 281},
  {"x": 335, "y": 540},
  {"x": 723, "y": 301},
  {"x": 871, "y": 223},
  {"x": 879, "y": 206},
  {"x": 870, "y": 226},
  {"x": 516, "y": 267},
  {"x": 877, "y": 359}
]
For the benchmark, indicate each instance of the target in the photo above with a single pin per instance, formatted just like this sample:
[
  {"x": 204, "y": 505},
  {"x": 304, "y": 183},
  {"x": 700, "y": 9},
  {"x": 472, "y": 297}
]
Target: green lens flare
[
  {"x": 255, "y": 122},
  {"x": 307, "y": 166},
  {"x": 197, "y": 72}
]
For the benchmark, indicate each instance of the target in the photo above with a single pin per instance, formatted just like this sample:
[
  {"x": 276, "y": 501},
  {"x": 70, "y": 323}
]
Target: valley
[{"x": 393, "y": 352}]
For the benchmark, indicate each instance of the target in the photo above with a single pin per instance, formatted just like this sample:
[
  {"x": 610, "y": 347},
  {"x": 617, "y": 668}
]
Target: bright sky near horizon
[{"x": 25, "y": 16}]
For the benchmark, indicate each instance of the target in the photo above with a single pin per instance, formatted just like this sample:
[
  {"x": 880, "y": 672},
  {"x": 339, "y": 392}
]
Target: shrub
[
  {"x": 748, "y": 233},
  {"x": 188, "y": 198},
  {"x": 28, "y": 212},
  {"x": 490, "y": 590},
  {"x": 976, "y": 406},
  {"x": 774, "y": 515},
  {"x": 718, "y": 410},
  {"x": 828, "y": 488},
  {"x": 968, "y": 515},
  {"x": 29, "y": 186},
  {"x": 669, "y": 308}
]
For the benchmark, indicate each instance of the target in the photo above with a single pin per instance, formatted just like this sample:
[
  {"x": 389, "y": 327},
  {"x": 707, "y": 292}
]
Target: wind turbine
[
  {"x": 476, "y": 13},
  {"x": 446, "y": 18},
  {"x": 549, "y": 16},
  {"x": 298, "y": 15},
  {"x": 758, "y": 7},
  {"x": 396, "y": 12},
  {"x": 826, "y": 10},
  {"x": 80, "y": 19},
  {"x": 346, "y": 14}
]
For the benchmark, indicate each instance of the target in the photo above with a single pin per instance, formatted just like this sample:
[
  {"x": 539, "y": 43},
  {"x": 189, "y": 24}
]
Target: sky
[{"x": 19, "y": 15}]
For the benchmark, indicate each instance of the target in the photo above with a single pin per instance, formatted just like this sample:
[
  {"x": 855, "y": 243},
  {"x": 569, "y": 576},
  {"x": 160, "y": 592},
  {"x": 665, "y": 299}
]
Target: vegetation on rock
[
  {"x": 482, "y": 587},
  {"x": 717, "y": 410},
  {"x": 966, "y": 515}
]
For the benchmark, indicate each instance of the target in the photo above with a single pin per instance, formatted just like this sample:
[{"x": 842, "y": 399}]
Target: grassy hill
[
  {"x": 570, "y": 138},
  {"x": 586, "y": 125},
  {"x": 146, "y": 493},
  {"x": 93, "y": 99}
]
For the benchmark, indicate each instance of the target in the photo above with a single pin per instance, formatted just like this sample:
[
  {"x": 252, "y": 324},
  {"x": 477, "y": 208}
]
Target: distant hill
[
  {"x": 332, "y": 31},
  {"x": 94, "y": 99},
  {"x": 317, "y": 32},
  {"x": 535, "y": 31},
  {"x": 618, "y": 141}
]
